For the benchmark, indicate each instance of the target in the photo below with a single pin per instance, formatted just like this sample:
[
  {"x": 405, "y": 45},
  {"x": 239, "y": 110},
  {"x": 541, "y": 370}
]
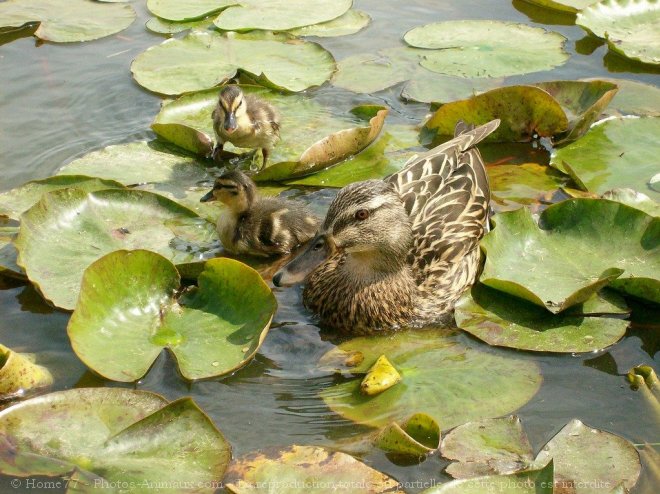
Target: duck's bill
[
  {"x": 297, "y": 270},
  {"x": 207, "y": 197}
]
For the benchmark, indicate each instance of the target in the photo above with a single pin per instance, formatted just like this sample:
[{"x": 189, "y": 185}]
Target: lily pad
[
  {"x": 634, "y": 98},
  {"x": 430, "y": 87},
  {"x": 69, "y": 229},
  {"x": 525, "y": 112},
  {"x": 128, "y": 312},
  {"x": 634, "y": 199},
  {"x": 644, "y": 379},
  {"x": 589, "y": 459},
  {"x": 487, "y": 447},
  {"x": 380, "y": 377},
  {"x": 441, "y": 378},
  {"x": 163, "y": 26},
  {"x": 570, "y": 257},
  {"x": 502, "y": 320},
  {"x": 84, "y": 20},
  {"x": 20, "y": 375},
  {"x": 483, "y": 48},
  {"x": 280, "y": 15},
  {"x": 176, "y": 10},
  {"x": 416, "y": 436},
  {"x": 349, "y": 23},
  {"x": 630, "y": 27},
  {"x": 118, "y": 436},
  {"x": 618, "y": 152},
  {"x": 9, "y": 254},
  {"x": 305, "y": 469},
  {"x": 204, "y": 59},
  {"x": 573, "y": 6},
  {"x": 16, "y": 201}
]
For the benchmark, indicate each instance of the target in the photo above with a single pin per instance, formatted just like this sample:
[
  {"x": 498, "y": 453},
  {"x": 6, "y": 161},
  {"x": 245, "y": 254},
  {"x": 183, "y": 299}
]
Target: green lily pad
[
  {"x": 20, "y": 375},
  {"x": 487, "y": 447},
  {"x": 83, "y": 21},
  {"x": 441, "y": 378},
  {"x": 590, "y": 458},
  {"x": 163, "y": 26},
  {"x": 116, "y": 436},
  {"x": 525, "y": 111},
  {"x": 619, "y": 152},
  {"x": 415, "y": 436},
  {"x": 634, "y": 98},
  {"x": 349, "y": 23},
  {"x": 630, "y": 27},
  {"x": 304, "y": 469},
  {"x": 16, "y": 201},
  {"x": 583, "y": 102},
  {"x": 280, "y": 15},
  {"x": 571, "y": 257},
  {"x": 205, "y": 59},
  {"x": 634, "y": 199},
  {"x": 502, "y": 320},
  {"x": 430, "y": 87},
  {"x": 69, "y": 229},
  {"x": 127, "y": 313},
  {"x": 483, "y": 48},
  {"x": 573, "y": 6},
  {"x": 190, "y": 10}
]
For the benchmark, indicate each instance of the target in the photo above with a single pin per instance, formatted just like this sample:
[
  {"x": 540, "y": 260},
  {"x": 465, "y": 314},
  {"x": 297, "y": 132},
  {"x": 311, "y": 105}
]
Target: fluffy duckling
[
  {"x": 259, "y": 226},
  {"x": 399, "y": 251},
  {"x": 245, "y": 121}
]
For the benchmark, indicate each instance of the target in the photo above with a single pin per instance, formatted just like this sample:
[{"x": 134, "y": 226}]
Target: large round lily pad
[
  {"x": 306, "y": 469},
  {"x": 349, "y": 23},
  {"x": 483, "y": 48},
  {"x": 65, "y": 21},
  {"x": 206, "y": 59},
  {"x": 440, "y": 377},
  {"x": 176, "y": 10},
  {"x": 620, "y": 152},
  {"x": 128, "y": 312},
  {"x": 630, "y": 27},
  {"x": 280, "y": 15},
  {"x": 69, "y": 229},
  {"x": 502, "y": 320},
  {"x": 572, "y": 256},
  {"x": 119, "y": 436}
]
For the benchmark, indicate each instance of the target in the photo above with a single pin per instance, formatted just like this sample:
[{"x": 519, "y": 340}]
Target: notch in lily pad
[{"x": 131, "y": 306}]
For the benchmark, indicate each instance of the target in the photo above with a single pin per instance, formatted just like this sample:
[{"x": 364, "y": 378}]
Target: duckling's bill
[{"x": 297, "y": 270}]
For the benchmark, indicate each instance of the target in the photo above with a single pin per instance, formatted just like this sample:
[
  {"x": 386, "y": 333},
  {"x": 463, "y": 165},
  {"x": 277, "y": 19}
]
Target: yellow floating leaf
[
  {"x": 19, "y": 374},
  {"x": 381, "y": 376}
]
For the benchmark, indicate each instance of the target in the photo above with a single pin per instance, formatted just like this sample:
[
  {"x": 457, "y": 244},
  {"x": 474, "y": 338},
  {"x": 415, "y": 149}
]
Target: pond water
[{"x": 62, "y": 101}]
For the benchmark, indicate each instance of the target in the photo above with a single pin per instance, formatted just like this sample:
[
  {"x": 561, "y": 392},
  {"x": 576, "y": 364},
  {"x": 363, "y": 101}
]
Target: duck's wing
[{"x": 447, "y": 195}]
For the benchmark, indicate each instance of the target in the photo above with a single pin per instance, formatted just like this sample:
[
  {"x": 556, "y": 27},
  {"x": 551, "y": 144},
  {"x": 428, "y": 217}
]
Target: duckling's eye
[{"x": 361, "y": 214}]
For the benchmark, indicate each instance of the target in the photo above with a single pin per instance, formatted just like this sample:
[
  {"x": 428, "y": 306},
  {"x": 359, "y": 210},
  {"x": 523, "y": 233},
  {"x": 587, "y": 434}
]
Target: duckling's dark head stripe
[{"x": 230, "y": 97}]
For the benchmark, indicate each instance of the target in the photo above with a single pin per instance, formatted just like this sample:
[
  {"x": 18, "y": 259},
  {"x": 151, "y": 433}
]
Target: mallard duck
[
  {"x": 255, "y": 225},
  {"x": 246, "y": 121},
  {"x": 399, "y": 251}
]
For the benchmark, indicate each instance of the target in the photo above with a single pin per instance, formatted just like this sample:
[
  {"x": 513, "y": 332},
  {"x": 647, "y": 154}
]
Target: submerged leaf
[
  {"x": 19, "y": 374},
  {"x": 380, "y": 377}
]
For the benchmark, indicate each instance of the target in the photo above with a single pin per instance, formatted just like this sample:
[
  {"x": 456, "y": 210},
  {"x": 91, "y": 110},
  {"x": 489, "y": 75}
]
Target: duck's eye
[
  {"x": 319, "y": 244},
  {"x": 361, "y": 214}
]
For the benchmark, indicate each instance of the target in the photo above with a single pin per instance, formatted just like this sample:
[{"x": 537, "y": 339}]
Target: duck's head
[
  {"x": 231, "y": 105},
  {"x": 234, "y": 189},
  {"x": 368, "y": 223}
]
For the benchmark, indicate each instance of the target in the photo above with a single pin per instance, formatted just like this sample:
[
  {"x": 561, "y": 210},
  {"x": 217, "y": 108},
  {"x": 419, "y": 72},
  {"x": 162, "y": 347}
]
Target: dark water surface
[{"x": 60, "y": 102}]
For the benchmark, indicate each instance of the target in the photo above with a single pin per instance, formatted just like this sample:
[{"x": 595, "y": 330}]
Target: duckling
[
  {"x": 259, "y": 226},
  {"x": 246, "y": 121},
  {"x": 399, "y": 251}
]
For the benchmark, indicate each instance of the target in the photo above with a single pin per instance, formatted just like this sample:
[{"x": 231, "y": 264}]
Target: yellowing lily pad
[
  {"x": 176, "y": 10},
  {"x": 69, "y": 229},
  {"x": 570, "y": 257},
  {"x": 116, "y": 436},
  {"x": 440, "y": 377},
  {"x": 306, "y": 469},
  {"x": 644, "y": 379},
  {"x": 349, "y": 23},
  {"x": 65, "y": 21},
  {"x": 629, "y": 26},
  {"x": 380, "y": 377},
  {"x": 415, "y": 436},
  {"x": 19, "y": 374},
  {"x": 128, "y": 312},
  {"x": 204, "y": 59}
]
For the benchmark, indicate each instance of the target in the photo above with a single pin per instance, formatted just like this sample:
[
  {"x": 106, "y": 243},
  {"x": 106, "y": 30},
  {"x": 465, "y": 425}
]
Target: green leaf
[
  {"x": 113, "y": 436},
  {"x": 430, "y": 87},
  {"x": 441, "y": 378},
  {"x": 630, "y": 27},
  {"x": 634, "y": 199},
  {"x": 349, "y": 23},
  {"x": 525, "y": 111},
  {"x": 619, "y": 152},
  {"x": 507, "y": 321},
  {"x": 573, "y": 6},
  {"x": 415, "y": 436},
  {"x": 483, "y": 48},
  {"x": 571, "y": 256},
  {"x": 127, "y": 313},
  {"x": 205, "y": 59},
  {"x": 303, "y": 469},
  {"x": 280, "y": 15},
  {"x": 69, "y": 229},
  {"x": 19, "y": 374},
  {"x": 634, "y": 98},
  {"x": 64, "y": 21},
  {"x": 176, "y": 10},
  {"x": 164, "y": 26},
  {"x": 591, "y": 459}
]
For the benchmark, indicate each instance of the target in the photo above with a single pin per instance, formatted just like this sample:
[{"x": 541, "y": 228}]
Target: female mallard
[
  {"x": 400, "y": 251},
  {"x": 255, "y": 225},
  {"x": 246, "y": 121}
]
